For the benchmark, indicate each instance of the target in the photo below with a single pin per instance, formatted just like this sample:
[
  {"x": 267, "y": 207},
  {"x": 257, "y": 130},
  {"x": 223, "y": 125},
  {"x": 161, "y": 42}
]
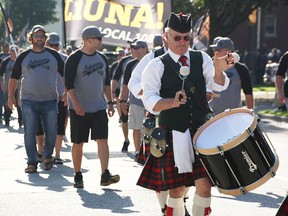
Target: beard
[{"x": 39, "y": 44}]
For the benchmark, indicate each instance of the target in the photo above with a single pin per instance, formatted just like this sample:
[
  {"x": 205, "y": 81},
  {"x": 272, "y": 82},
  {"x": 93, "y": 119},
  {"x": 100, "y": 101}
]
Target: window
[{"x": 270, "y": 26}]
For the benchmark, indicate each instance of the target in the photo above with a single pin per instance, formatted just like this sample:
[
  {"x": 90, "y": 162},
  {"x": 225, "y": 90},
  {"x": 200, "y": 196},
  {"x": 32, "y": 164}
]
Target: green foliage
[
  {"x": 274, "y": 113},
  {"x": 37, "y": 12},
  {"x": 225, "y": 15},
  {"x": 264, "y": 88},
  {"x": 196, "y": 8}
]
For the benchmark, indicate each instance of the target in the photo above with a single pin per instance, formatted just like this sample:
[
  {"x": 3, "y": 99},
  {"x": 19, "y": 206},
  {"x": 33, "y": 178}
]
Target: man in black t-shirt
[
  {"x": 280, "y": 76},
  {"x": 88, "y": 85}
]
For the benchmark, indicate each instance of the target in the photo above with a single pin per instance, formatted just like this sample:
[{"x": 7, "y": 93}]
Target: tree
[
  {"x": 225, "y": 15},
  {"x": 35, "y": 12}
]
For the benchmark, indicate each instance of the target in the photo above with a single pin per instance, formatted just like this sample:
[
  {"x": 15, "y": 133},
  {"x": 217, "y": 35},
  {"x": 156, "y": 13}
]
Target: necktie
[{"x": 183, "y": 60}]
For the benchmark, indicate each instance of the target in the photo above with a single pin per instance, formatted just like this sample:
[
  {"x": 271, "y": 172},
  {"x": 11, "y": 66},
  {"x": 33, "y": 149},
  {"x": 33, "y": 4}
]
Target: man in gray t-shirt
[
  {"x": 38, "y": 68},
  {"x": 88, "y": 85}
]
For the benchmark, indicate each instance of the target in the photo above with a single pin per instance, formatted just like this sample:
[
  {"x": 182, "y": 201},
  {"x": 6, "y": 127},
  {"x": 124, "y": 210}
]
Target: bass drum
[{"x": 236, "y": 152}]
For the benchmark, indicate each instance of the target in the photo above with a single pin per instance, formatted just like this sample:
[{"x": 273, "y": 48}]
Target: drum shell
[
  {"x": 243, "y": 163},
  {"x": 250, "y": 161}
]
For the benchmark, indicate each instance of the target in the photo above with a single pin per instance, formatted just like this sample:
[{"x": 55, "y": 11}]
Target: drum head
[{"x": 226, "y": 129}]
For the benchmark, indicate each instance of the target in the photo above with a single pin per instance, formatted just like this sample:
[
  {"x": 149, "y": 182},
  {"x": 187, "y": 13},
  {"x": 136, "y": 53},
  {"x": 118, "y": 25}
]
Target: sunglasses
[
  {"x": 137, "y": 48},
  {"x": 179, "y": 38},
  {"x": 98, "y": 38},
  {"x": 39, "y": 36},
  {"x": 53, "y": 45}
]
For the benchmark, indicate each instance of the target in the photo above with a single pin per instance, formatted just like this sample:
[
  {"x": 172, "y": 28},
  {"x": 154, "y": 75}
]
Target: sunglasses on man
[
  {"x": 39, "y": 36},
  {"x": 53, "y": 45},
  {"x": 179, "y": 38},
  {"x": 98, "y": 38}
]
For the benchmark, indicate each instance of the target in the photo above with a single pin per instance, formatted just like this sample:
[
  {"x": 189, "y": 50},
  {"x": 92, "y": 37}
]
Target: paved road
[{"x": 52, "y": 193}]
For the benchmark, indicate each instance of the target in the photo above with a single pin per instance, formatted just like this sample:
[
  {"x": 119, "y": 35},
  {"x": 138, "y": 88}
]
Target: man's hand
[
  {"x": 222, "y": 63},
  {"x": 64, "y": 99},
  {"x": 78, "y": 109},
  {"x": 111, "y": 110},
  {"x": 180, "y": 98},
  {"x": 124, "y": 107},
  {"x": 11, "y": 102}
]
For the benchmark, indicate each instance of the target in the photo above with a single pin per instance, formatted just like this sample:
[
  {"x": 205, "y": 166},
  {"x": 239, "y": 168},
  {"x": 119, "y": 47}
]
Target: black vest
[{"x": 187, "y": 115}]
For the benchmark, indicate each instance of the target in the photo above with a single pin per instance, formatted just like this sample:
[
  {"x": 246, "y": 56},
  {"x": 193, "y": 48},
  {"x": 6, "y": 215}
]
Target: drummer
[{"x": 180, "y": 113}]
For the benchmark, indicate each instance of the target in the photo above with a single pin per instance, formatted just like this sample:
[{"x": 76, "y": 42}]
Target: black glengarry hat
[{"x": 180, "y": 22}]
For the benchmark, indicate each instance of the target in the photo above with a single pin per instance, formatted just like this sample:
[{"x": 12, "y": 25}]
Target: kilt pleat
[{"x": 161, "y": 174}]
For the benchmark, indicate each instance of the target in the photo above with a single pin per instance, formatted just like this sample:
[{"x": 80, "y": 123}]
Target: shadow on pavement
[
  {"x": 271, "y": 200},
  {"x": 103, "y": 201},
  {"x": 51, "y": 180}
]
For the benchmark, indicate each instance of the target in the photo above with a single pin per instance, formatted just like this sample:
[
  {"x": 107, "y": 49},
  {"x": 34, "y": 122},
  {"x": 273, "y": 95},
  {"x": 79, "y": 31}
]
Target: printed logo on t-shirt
[
  {"x": 37, "y": 63},
  {"x": 91, "y": 68}
]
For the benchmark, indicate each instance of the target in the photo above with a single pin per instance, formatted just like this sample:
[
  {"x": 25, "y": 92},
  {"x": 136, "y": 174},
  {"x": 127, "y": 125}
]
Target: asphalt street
[{"x": 52, "y": 193}]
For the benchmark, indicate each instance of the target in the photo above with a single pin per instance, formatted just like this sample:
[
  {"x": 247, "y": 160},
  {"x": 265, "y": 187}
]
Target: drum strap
[{"x": 188, "y": 84}]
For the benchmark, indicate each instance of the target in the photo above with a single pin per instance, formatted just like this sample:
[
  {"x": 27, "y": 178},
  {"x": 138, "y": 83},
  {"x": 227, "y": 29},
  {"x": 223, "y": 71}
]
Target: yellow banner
[{"x": 121, "y": 20}]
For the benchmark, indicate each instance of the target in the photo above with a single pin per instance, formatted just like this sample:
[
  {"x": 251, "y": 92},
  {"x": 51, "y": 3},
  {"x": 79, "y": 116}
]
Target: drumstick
[
  {"x": 211, "y": 94},
  {"x": 216, "y": 95}
]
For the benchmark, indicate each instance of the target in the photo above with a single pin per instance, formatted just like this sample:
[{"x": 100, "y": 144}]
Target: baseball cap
[
  {"x": 130, "y": 41},
  {"x": 36, "y": 28},
  {"x": 91, "y": 31},
  {"x": 157, "y": 41},
  {"x": 121, "y": 52},
  {"x": 53, "y": 38},
  {"x": 223, "y": 43},
  {"x": 139, "y": 44},
  {"x": 216, "y": 39}
]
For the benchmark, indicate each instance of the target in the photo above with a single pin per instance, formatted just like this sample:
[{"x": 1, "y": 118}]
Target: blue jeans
[{"x": 31, "y": 112}]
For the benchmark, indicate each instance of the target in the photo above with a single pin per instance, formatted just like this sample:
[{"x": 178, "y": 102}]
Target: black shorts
[
  {"x": 80, "y": 126},
  {"x": 61, "y": 117}
]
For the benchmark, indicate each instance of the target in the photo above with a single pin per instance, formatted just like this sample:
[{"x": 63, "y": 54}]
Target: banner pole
[{"x": 8, "y": 29}]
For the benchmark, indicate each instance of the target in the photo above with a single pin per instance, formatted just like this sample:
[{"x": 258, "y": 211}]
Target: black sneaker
[
  {"x": 125, "y": 146},
  {"x": 107, "y": 178},
  {"x": 78, "y": 180}
]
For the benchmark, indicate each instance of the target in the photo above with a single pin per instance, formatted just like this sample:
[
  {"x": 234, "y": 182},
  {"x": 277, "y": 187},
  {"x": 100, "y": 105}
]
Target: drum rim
[
  {"x": 254, "y": 185},
  {"x": 233, "y": 143}
]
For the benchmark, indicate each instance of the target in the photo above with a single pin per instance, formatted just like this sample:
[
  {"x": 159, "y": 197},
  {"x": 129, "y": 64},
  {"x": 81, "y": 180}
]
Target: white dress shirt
[
  {"x": 134, "y": 84},
  {"x": 152, "y": 74}
]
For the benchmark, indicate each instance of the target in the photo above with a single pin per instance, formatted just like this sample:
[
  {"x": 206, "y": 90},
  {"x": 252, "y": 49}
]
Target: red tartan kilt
[
  {"x": 143, "y": 153},
  {"x": 160, "y": 174},
  {"x": 283, "y": 210}
]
